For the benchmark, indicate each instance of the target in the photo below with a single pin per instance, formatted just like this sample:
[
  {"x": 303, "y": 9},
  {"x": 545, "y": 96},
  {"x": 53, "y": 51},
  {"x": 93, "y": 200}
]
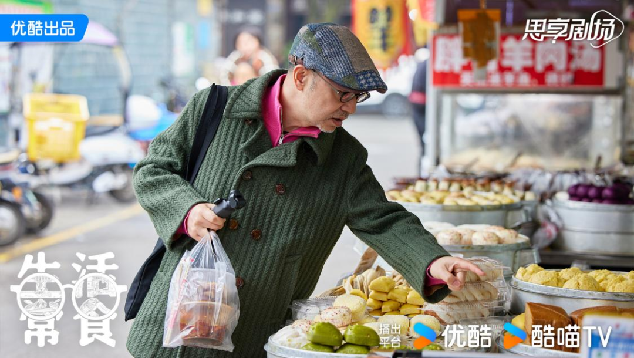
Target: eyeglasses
[{"x": 345, "y": 96}]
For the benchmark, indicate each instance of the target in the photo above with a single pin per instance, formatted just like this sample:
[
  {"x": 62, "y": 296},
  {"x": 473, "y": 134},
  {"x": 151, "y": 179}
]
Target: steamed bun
[
  {"x": 467, "y": 235},
  {"x": 583, "y": 282},
  {"x": 567, "y": 274},
  {"x": 547, "y": 278},
  {"x": 449, "y": 237},
  {"x": 485, "y": 238}
]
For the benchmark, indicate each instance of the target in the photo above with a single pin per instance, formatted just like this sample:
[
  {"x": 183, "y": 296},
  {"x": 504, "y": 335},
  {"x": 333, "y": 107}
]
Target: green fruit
[
  {"x": 317, "y": 348},
  {"x": 353, "y": 349},
  {"x": 325, "y": 333},
  {"x": 362, "y": 336}
]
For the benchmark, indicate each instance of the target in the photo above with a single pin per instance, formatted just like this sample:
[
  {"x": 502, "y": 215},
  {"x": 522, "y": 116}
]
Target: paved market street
[{"x": 125, "y": 230}]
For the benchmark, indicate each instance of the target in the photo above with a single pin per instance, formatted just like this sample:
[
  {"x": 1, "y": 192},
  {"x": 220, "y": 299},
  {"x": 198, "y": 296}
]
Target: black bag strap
[
  {"x": 207, "y": 128},
  {"x": 205, "y": 133}
]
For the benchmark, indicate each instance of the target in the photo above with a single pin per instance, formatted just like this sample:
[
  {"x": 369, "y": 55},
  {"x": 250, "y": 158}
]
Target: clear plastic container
[
  {"x": 494, "y": 270},
  {"x": 452, "y": 313},
  {"x": 309, "y": 308},
  {"x": 480, "y": 291}
]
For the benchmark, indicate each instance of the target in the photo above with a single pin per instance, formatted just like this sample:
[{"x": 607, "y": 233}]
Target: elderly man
[{"x": 281, "y": 144}]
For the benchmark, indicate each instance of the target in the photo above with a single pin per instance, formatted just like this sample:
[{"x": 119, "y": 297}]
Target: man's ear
[{"x": 300, "y": 77}]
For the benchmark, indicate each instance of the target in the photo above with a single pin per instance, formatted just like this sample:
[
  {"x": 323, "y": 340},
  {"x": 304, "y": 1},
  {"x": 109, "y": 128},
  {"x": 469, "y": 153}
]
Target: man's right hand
[{"x": 202, "y": 218}]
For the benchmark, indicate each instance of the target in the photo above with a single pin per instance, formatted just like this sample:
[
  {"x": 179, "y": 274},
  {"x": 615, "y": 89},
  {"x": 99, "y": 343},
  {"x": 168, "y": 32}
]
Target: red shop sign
[{"x": 521, "y": 63}]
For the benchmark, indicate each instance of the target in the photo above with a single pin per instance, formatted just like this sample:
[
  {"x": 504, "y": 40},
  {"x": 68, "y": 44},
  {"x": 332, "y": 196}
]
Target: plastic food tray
[
  {"x": 494, "y": 270},
  {"x": 475, "y": 289},
  {"x": 453, "y": 313},
  {"x": 309, "y": 308}
]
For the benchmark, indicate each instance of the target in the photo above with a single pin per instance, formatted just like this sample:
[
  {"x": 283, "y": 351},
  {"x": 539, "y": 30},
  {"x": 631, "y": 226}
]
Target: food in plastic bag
[{"x": 202, "y": 306}]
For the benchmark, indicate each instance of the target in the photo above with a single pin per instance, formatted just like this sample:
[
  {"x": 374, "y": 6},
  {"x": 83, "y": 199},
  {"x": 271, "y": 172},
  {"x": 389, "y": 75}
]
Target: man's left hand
[{"x": 452, "y": 270}]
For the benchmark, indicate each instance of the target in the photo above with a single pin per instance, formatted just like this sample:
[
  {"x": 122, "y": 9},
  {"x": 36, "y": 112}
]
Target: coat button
[
  {"x": 280, "y": 189},
  {"x": 239, "y": 282},
  {"x": 248, "y": 121},
  {"x": 256, "y": 234},
  {"x": 233, "y": 224},
  {"x": 247, "y": 175}
]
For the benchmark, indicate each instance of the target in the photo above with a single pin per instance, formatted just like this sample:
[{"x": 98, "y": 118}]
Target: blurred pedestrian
[
  {"x": 242, "y": 72},
  {"x": 249, "y": 50},
  {"x": 418, "y": 98}
]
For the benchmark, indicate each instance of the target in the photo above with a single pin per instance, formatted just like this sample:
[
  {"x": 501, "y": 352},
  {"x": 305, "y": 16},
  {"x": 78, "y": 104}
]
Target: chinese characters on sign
[
  {"x": 482, "y": 336},
  {"x": 602, "y": 30},
  {"x": 382, "y": 26},
  {"x": 473, "y": 337},
  {"x": 390, "y": 335},
  {"x": 521, "y": 63},
  {"x": 569, "y": 337},
  {"x": 95, "y": 297},
  {"x": 35, "y": 28},
  {"x": 42, "y": 27}
]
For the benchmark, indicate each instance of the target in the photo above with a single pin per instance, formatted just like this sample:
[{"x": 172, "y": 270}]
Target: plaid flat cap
[{"x": 337, "y": 53}]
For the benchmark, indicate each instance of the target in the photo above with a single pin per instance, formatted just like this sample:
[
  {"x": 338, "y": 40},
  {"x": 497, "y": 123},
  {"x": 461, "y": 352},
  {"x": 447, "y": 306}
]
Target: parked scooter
[
  {"x": 106, "y": 165},
  {"x": 146, "y": 119},
  {"x": 22, "y": 210}
]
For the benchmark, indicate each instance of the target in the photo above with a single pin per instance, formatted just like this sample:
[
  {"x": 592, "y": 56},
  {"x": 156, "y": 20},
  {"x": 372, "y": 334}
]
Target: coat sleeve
[
  {"x": 158, "y": 179},
  {"x": 395, "y": 233}
]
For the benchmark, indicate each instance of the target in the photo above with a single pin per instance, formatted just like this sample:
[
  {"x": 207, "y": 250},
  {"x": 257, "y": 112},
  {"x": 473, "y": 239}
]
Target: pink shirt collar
[{"x": 272, "y": 114}]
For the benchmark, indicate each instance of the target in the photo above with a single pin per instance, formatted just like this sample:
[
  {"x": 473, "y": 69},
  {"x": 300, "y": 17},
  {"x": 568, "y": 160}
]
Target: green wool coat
[{"x": 299, "y": 196}]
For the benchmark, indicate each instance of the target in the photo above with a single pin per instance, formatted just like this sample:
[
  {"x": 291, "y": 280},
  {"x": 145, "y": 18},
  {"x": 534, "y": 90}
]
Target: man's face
[{"x": 324, "y": 108}]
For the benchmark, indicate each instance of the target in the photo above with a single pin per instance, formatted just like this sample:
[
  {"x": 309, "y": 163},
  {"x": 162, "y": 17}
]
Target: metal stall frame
[{"x": 433, "y": 146}]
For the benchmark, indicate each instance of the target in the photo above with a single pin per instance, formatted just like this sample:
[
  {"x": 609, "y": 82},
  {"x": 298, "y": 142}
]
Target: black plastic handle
[{"x": 225, "y": 207}]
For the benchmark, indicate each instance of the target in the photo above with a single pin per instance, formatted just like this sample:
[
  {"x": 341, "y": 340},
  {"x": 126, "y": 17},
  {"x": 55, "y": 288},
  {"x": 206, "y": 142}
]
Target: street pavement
[{"x": 125, "y": 230}]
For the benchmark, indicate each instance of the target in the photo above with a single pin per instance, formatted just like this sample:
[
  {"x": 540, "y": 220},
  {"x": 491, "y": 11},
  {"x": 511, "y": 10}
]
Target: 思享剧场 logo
[{"x": 602, "y": 28}]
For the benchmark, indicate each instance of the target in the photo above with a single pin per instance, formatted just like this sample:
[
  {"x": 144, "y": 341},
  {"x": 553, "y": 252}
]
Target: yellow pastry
[
  {"x": 390, "y": 306},
  {"x": 623, "y": 286},
  {"x": 356, "y": 304},
  {"x": 600, "y": 275},
  {"x": 547, "y": 278},
  {"x": 567, "y": 274},
  {"x": 357, "y": 292},
  {"x": 408, "y": 309},
  {"x": 429, "y": 321},
  {"x": 583, "y": 282},
  {"x": 382, "y": 284},
  {"x": 524, "y": 274},
  {"x": 374, "y": 304},
  {"x": 379, "y": 296},
  {"x": 398, "y": 294},
  {"x": 610, "y": 281},
  {"x": 414, "y": 298}
]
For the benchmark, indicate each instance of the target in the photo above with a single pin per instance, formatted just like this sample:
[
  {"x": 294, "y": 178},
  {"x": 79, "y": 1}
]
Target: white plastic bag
[
  {"x": 550, "y": 226},
  {"x": 202, "y": 305}
]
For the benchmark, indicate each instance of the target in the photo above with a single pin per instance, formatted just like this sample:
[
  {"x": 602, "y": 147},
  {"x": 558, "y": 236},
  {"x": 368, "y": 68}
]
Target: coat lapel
[{"x": 245, "y": 102}]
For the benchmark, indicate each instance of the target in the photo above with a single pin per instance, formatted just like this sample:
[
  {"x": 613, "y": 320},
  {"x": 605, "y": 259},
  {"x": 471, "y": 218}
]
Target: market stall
[
  {"x": 545, "y": 115},
  {"x": 534, "y": 135},
  {"x": 377, "y": 312}
]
